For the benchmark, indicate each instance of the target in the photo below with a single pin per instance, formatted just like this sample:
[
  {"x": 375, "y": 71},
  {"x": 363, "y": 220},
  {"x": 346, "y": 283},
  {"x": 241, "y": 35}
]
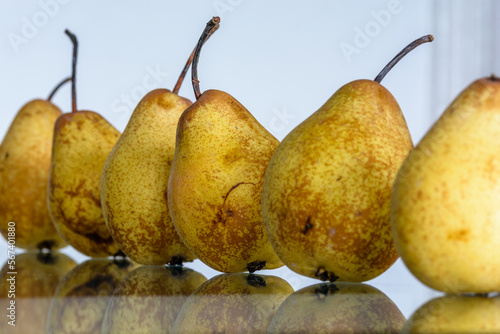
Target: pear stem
[
  {"x": 178, "y": 84},
  {"x": 73, "y": 70},
  {"x": 400, "y": 55},
  {"x": 59, "y": 85},
  {"x": 211, "y": 27},
  {"x": 494, "y": 78}
]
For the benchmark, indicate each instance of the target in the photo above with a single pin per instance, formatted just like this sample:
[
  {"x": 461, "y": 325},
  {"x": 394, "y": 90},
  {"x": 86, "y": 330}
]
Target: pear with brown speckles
[
  {"x": 445, "y": 212},
  {"x": 327, "y": 189},
  {"x": 215, "y": 183},
  {"x": 24, "y": 172},
  {"x": 82, "y": 142},
  {"x": 135, "y": 179}
]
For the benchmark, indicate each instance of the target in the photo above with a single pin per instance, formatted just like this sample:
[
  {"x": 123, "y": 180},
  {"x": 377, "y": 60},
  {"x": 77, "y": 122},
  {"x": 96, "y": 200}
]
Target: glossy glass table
[{"x": 51, "y": 293}]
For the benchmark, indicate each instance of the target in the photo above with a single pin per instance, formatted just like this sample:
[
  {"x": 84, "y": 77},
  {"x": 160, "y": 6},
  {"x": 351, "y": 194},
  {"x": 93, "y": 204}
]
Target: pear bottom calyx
[
  {"x": 325, "y": 275},
  {"x": 177, "y": 260},
  {"x": 255, "y": 266}
]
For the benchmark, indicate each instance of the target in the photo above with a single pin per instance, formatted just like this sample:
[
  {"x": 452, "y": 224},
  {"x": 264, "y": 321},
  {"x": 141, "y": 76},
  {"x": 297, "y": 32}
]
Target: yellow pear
[
  {"x": 80, "y": 301},
  {"x": 327, "y": 189},
  {"x": 215, "y": 183},
  {"x": 82, "y": 142},
  {"x": 149, "y": 299},
  {"x": 445, "y": 213},
  {"x": 24, "y": 171},
  {"x": 456, "y": 314},
  {"x": 337, "y": 308},
  {"x": 135, "y": 179},
  {"x": 233, "y": 303},
  {"x": 31, "y": 288}
]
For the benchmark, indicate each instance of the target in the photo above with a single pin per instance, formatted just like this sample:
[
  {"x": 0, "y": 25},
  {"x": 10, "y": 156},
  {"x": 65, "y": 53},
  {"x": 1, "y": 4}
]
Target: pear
[
  {"x": 149, "y": 299},
  {"x": 37, "y": 275},
  {"x": 215, "y": 182},
  {"x": 81, "y": 298},
  {"x": 456, "y": 314},
  {"x": 24, "y": 171},
  {"x": 445, "y": 215},
  {"x": 326, "y": 193},
  {"x": 82, "y": 142},
  {"x": 337, "y": 308},
  {"x": 233, "y": 303},
  {"x": 135, "y": 179}
]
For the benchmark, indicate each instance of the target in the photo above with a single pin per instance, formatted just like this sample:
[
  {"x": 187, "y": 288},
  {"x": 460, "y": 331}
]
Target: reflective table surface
[{"x": 51, "y": 293}]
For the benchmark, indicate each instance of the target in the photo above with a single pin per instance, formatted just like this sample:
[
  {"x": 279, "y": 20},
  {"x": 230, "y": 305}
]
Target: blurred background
[{"x": 281, "y": 59}]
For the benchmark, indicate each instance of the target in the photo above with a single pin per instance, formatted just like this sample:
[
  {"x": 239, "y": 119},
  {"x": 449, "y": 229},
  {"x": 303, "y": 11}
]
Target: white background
[{"x": 281, "y": 59}]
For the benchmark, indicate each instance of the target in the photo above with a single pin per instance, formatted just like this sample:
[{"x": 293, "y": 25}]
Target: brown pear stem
[
  {"x": 404, "y": 52},
  {"x": 178, "y": 84},
  {"x": 211, "y": 27},
  {"x": 59, "y": 85},
  {"x": 73, "y": 69},
  {"x": 186, "y": 67}
]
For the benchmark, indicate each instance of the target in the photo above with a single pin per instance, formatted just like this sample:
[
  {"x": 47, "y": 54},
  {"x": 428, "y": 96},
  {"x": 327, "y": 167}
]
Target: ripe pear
[
  {"x": 233, "y": 303},
  {"x": 80, "y": 301},
  {"x": 215, "y": 183},
  {"x": 149, "y": 299},
  {"x": 82, "y": 143},
  {"x": 35, "y": 282},
  {"x": 337, "y": 308},
  {"x": 456, "y": 314},
  {"x": 135, "y": 179},
  {"x": 327, "y": 188},
  {"x": 24, "y": 170},
  {"x": 445, "y": 213}
]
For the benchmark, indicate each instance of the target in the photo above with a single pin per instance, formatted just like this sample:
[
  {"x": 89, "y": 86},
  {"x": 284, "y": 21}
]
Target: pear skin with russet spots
[
  {"x": 327, "y": 189},
  {"x": 216, "y": 181},
  {"x": 135, "y": 180},
  {"x": 326, "y": 196},
  {"x": 215, "y": 184},
  {"x": 82, "y": 142},
  {"x": 445, "y": 213},
  {"x": 24, "y": 171}
]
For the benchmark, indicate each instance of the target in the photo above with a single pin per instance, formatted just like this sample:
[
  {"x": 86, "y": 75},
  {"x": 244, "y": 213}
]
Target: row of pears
[{"x": 340, "y": 198}]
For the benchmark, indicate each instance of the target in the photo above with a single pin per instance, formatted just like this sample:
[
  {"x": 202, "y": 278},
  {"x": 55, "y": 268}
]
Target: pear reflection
[
  {"x": 81, "y": 298},
  {"x": 456, "y": 314},
  {"x": 36, "y": 280},
  {"x": 233, "y": 303},
  {"x": 337, "y": 308},
  {"x": 149, "y": 299}
]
